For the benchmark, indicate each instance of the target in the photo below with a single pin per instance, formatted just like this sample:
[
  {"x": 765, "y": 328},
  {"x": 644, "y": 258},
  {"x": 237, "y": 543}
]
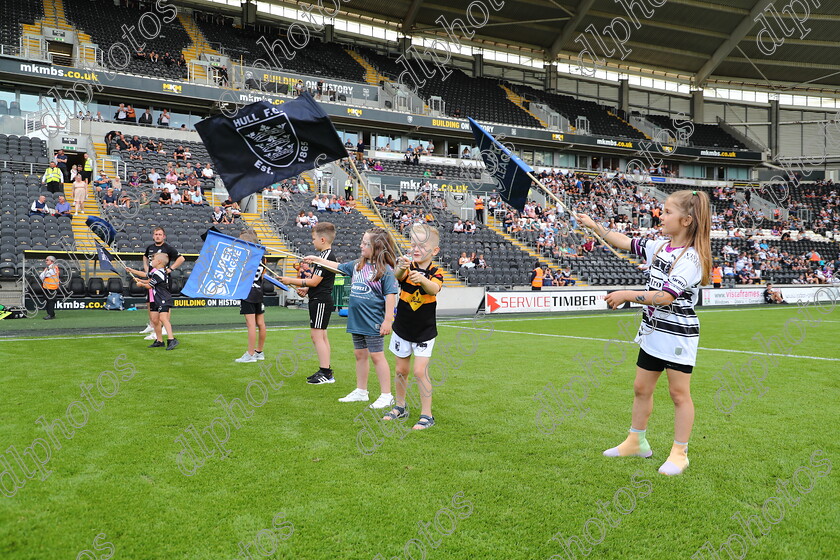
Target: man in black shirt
[
  {"x": 319, "y": 289},
  {"x": 175, "y": 260}
]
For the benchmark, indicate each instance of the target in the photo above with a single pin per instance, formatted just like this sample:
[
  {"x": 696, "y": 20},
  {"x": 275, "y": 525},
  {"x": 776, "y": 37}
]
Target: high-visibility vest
[
  {"x": 51, "y": 282},
  {"x": 479, "y": 204},
  {"x": 53, "y": 174},
  {"x": 537, "y": 282},
  {"x": 88, "y": 164},
  {"x": 717, "y": 275}
]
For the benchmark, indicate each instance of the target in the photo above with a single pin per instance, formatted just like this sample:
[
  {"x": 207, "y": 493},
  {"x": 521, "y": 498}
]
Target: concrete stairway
[
  {"x": 109, "y": 166},
  {"x": 496, "y": 226},
  {"x": 372, "y": 76},
  {"x": 519, "y": 101},
  {"x": 199, "y": 45},
  {"x": 268, "y": 237},
  {"x": 83, "y": 238},
  {"x": 53, "y": 17},
  {"x": 628, "y": 124}
]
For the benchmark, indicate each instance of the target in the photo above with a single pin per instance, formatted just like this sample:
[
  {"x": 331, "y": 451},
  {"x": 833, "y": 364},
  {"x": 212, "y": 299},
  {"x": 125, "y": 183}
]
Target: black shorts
[
  {"x": 163, "y": 306},
  {"x": 652, "y": 363},
  {"x": 319, "y": 314},
  {"x": 248, "y": 308}
]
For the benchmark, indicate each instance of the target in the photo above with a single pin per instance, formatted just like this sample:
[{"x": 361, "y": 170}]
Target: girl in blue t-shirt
[{"x": 373, "y": 296}]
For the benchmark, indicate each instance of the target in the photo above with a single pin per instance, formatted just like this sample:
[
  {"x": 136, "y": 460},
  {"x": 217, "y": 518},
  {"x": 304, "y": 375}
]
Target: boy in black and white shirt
[
  {"x": 160, "y": 299},
  {"x": 319, "y": 289}
]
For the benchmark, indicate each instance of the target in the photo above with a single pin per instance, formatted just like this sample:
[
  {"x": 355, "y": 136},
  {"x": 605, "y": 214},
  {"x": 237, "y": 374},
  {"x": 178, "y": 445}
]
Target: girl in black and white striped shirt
[{"x": 670, "y": 331}]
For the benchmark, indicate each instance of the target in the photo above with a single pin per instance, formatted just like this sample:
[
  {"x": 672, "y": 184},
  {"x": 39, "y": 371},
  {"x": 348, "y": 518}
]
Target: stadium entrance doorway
[{"x": 74, "y": 158}]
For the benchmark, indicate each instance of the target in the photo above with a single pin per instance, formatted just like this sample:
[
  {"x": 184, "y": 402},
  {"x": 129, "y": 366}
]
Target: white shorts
[{"x": 403, "y": 348}]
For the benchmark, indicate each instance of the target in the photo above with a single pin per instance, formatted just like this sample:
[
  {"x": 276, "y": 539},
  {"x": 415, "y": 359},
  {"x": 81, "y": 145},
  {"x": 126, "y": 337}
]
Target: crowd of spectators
[
  {"x": 762, "y": 259},
  {"x": 127, "y": 114}
]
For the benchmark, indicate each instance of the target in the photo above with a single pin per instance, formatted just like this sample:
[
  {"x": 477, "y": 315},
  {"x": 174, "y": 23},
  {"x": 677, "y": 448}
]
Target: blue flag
[
  {"x": 102, "y": 229},
  {"x": 277, "y": 283},
  {"x": 264, "y": 144},
  {"x": 508, "y": 170},
  {"x": 225, "y": 269},
  {"x": 105, "y": 258}
]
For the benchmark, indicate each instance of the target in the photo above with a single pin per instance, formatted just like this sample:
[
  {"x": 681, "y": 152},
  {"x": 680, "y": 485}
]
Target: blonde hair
[
  {"x": 161, "y": 256},
  {"x": 695, "y": 204},
  {"x": 425, "y": 232},
  {"x": 249, "y": 235},
  {"x": 383, "y": 251}
]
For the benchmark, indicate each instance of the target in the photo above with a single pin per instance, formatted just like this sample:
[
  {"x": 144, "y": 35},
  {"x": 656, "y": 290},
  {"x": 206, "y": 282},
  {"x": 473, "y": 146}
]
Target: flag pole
[
  {"x": 116, "y": 256},
  {"x": 373, "y": 206},
  {"x": 567, "y": 209}
]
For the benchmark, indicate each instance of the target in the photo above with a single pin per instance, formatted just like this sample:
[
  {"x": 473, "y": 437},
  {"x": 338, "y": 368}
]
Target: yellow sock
[
  {"x": 635, "y": 445},
  {"x": 678, "y": 460}
]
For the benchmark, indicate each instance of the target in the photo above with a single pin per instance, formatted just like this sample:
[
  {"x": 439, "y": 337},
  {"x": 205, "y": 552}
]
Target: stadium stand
[
  {"x": 349, "y": 227},
  {"x": 15, "y": 14},
  {"x": 103, "y": 22},
  {"x": 705, "y": 135},
  {"x": 160, "y": 161},
  {"x": 385, "y": 65},
  {"x": 398, "y": 167},
  {"x": 18, "y": 230},
  {"x": 23, "y": 148},
  {"x": 601, "y": 121},
  {"x": 317, "y": 59},
  {"x": 479, "y": 98},
  {"x": 507, "y": 265}
]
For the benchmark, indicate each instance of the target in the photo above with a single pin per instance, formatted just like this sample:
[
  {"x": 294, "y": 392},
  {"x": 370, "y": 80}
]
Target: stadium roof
[{"x": 696, "y": 40}]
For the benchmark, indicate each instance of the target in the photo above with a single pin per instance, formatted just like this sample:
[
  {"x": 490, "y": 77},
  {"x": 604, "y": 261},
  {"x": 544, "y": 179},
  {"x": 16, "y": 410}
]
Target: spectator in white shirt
[
  {"x": 207, "y": 172},
  {"x": 176, "y": 197},
  {"x": 458, "y": 227}
]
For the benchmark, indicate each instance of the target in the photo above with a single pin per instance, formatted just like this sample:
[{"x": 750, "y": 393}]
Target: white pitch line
[
  {"x": 623, "y": 313},
  {"x": 444, "y": 322},
  {"x": 129, "y": 335},
  {"x": 631, "y": 342}
]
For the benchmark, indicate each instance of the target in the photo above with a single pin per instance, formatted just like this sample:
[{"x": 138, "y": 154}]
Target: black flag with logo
[{"x": 265, "y": 143}]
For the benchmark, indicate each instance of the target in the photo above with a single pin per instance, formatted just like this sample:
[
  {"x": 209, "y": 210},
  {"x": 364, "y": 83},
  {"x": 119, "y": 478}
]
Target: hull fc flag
[
  {"x": 264, "y": 143},
  {"x": 509, "y": 171},
  {"x": 105, "y": 258},
  {"x": 225, "y": 269}
]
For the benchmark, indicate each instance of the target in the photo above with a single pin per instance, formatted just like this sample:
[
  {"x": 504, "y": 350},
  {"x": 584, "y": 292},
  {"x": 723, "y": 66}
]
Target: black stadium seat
[
  {"x": 115, "y": 285},
  {"x": 96, "y": 288},
  {"x": 77, "y": 286}
]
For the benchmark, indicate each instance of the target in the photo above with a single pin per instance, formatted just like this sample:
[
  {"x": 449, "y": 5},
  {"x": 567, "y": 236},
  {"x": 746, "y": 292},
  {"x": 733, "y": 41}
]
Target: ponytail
[{"x": 696, "y": 205}]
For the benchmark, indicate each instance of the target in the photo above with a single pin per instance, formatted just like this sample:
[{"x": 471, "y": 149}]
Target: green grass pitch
[{"x": 488, "y": 481}]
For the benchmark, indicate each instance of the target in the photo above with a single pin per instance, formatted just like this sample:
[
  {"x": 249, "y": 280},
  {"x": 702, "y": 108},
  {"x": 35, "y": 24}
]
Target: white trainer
[
  {"x": 246, "y": 358},
  {"x": 385, "y": 400},
  {"x": 147, "y": 330},
  {"x": 149, "y": 336},
  {"x": 259, "y": 355},
  {"x": 356, "y": 395}
]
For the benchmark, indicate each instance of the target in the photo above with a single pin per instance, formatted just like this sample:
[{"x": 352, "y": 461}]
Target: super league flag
[
  {"x": 510, "y": 171},
  {"x": 225, "y": 269},
  {"x": 105, "y": 258},
  {"x": 264, "y": 143}
]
